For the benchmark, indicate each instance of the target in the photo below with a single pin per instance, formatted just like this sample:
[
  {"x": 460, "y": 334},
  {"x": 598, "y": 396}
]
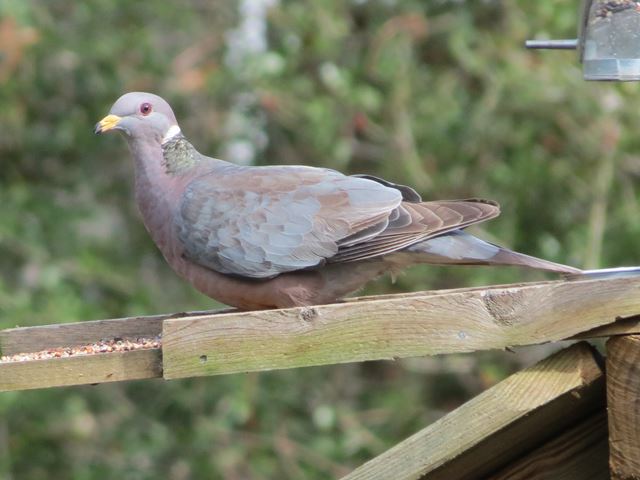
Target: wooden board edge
[
  {"x": 81, "y": 370},
  {"x": 473, "y": 320}
]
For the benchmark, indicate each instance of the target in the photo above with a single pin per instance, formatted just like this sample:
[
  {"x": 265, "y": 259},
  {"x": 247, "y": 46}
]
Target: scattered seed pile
[
  {"x": 103, "y": 346},
  {"x": 607, "y": 8}
]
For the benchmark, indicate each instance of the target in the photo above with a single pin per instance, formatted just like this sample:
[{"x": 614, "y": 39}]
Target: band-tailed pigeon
[{"x": 282, "y": 236}]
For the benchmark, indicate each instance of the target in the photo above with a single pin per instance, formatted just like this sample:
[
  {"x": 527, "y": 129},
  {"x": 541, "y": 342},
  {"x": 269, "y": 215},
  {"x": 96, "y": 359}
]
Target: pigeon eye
[{"x": 145, "y": 108}]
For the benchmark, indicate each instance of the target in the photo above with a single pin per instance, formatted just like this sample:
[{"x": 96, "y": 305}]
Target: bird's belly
[{"x": 287, "y": 290}]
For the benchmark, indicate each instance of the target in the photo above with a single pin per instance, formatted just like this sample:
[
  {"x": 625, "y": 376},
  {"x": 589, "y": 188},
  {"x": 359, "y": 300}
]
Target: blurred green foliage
[{"x": 437, "y": 94}]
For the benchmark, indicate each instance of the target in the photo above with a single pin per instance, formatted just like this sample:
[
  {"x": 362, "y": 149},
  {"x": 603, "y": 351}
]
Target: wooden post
[{"x": 623, "y": 397}]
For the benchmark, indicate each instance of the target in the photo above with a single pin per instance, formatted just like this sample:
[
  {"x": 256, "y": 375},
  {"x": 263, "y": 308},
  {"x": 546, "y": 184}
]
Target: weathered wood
[
  {"x": 623, "y": 398},
  {"x": 444, "y": 291},
  {"x": 622, "y": 326},
  {"x": 79, "y": 370},
  {"x": 579, "y": 453},
  {"x": 206, "y": 343},
  {"x": 500, "y": 424},
  {"x": 43, "y": 337},
  {"x": 33, "y": 339},
  {"x": 432, "y": 323}
]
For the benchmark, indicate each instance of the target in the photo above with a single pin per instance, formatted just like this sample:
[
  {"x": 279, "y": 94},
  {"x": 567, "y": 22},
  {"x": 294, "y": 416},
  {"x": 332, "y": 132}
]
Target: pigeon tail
[
  {"x": 460, "y": 248},
  {"x": 509, "y": 257}
]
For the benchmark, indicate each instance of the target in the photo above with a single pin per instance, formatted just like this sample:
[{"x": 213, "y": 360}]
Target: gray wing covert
[{"x": 260, "y": 222}]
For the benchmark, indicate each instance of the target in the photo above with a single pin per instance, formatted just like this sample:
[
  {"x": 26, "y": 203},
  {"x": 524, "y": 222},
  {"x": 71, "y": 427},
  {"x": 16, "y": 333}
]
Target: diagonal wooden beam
[{"x": 499, "y": 425}]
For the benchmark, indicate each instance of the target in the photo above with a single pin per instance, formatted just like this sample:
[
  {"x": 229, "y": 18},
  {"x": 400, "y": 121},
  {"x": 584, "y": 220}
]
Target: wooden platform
[
  {"x": 373, "y": 328},
  {"x": 548, "y": 421}
]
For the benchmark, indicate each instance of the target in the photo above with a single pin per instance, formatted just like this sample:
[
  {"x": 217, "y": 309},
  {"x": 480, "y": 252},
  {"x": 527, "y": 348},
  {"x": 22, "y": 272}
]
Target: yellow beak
[{"x": 107, "y": 123}]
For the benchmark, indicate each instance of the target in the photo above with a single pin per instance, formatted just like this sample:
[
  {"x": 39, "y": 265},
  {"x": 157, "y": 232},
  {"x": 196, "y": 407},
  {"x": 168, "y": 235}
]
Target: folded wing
[{"x": 259, "y": 222}]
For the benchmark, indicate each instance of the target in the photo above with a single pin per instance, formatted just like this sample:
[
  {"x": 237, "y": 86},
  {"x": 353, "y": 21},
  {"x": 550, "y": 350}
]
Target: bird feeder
[{"x": 609, "y": 40}]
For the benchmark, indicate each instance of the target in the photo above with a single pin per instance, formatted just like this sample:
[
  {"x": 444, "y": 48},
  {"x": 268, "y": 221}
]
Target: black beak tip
[{"x": 97, "y": 129}]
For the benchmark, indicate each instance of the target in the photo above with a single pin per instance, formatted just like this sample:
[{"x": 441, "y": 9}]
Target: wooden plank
[
  {"x": 500, "y": 424},
  {"x": 42, "y": 337},
  {"x": 622, "y": 326},
  {"x": 33, "y": 339},
  {"x": 582, "y": 452},
  {"x": 461, "y": 321},
  {"x": 623, "y": 398},
  {"x": 444, "y": 291},
  {"x": 81, "y": 369}
]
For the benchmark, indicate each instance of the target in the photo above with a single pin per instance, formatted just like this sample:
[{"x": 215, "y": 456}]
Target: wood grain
[
  {"x": 427, "y": 324},
  {"x": 79, "y": 370},
  {"x": 209, "y": 343},
  {"x": 582, "y": 452},
  {"x": 623, "y": 398},
  {"x": 33, "y": 339},
  {"x": 622, "y": 326},
  {"x": 500, "y": 424}
]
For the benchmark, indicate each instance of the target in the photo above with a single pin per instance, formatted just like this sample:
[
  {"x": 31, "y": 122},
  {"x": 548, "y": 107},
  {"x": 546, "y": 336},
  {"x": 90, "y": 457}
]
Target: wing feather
[
  {"x": 419, "y": 221},
  {"x": 260, "y": 222}
]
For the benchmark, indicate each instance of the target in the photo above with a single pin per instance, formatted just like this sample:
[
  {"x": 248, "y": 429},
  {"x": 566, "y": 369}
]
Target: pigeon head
[{"x": 140, "y": 116}]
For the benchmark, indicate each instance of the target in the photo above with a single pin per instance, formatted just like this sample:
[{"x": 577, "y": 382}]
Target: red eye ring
[{"x": 146, "y": 108}]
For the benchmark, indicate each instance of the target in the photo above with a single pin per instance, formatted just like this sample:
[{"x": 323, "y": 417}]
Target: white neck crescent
[{"x": 172, "y": 132}]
